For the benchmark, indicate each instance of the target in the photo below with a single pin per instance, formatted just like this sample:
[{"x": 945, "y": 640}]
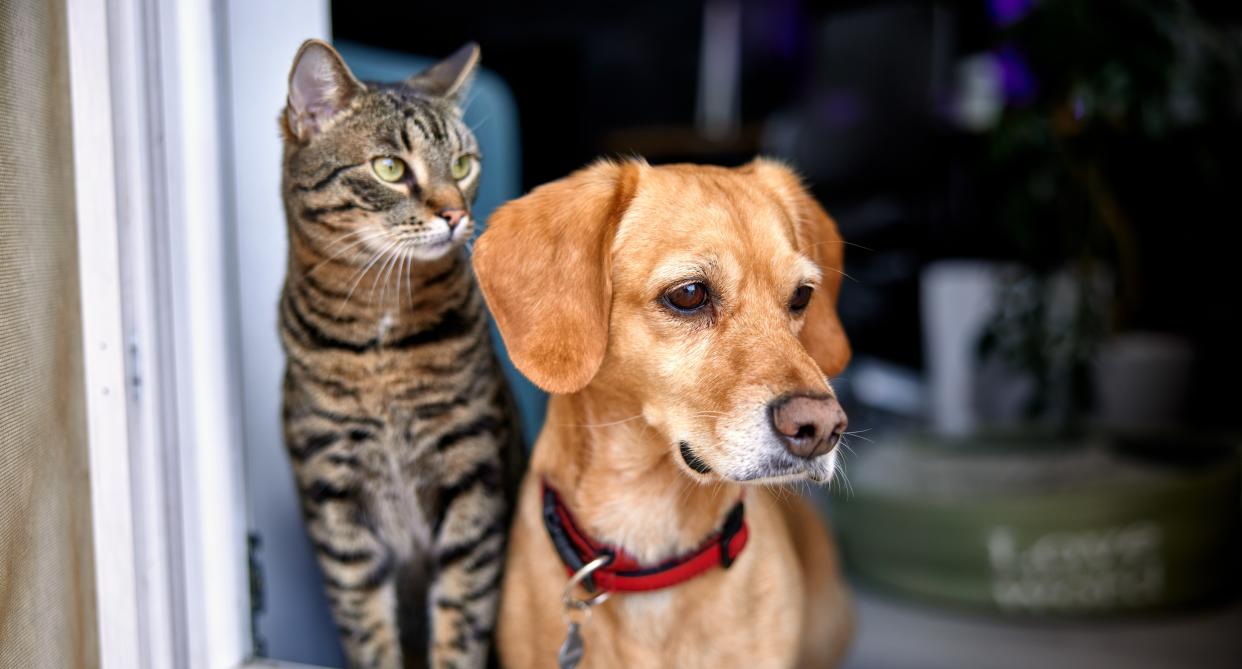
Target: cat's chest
[
  {"x": 387, "y": 369},
  {"x": 400, "y": 477},
  {"x": 384, "y": 325}
]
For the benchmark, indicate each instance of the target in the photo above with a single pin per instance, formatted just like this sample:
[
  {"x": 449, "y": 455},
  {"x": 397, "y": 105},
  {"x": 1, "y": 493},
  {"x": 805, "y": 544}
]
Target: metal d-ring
[{"x": 571, "y": 602}]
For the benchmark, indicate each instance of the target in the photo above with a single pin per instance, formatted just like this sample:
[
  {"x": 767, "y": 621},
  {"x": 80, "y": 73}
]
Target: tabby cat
[{"x": 397, "y": 420}]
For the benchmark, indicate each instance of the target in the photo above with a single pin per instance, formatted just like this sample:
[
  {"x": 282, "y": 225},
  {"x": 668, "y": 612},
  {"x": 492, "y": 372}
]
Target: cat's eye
[
  {"x": 687, "y": 298},
  {"x": 388, "y": 168},
  {"x": 801, "y": 298},
  {"x": 462, "y": 166}
]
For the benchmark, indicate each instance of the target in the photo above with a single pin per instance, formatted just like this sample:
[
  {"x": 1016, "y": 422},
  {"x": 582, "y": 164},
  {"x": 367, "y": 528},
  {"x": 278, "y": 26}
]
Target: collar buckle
[{"x": 583, "y": 577}]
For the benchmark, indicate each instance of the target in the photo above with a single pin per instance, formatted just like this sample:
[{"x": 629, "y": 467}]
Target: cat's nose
[{"x": 452, "y": 216}]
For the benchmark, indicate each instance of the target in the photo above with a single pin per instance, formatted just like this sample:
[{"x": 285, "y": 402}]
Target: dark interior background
[
  {"x": 870, "y": 87},
  {"x": 1099, "y": 142}
]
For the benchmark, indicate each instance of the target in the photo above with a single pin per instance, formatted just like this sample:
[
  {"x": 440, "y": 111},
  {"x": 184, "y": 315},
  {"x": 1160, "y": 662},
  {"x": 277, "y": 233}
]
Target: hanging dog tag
[{"x": 571, "y": 651}]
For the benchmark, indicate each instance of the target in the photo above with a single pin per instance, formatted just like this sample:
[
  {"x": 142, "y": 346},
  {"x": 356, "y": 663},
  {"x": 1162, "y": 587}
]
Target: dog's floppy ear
[
  {"x": 822, "y": 335},
  {"x": 544, "y": 266}
]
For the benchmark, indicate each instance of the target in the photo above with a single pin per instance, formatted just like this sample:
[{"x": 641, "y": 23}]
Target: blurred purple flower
[
  {"x": 1008, "y": 12},
  {"x": 1016, "y": 78}
]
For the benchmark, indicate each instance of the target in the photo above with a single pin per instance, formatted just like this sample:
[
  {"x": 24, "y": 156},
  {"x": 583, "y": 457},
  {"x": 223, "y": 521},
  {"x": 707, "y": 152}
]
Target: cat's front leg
[
  {"x": 470, "y": 555},
  {"x": 359, "y": 575}
]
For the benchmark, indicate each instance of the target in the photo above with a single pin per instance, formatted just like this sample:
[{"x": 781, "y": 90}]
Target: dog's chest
[
  {"x": 716, "y": 622},
  {"x": 650, "y": 615}
]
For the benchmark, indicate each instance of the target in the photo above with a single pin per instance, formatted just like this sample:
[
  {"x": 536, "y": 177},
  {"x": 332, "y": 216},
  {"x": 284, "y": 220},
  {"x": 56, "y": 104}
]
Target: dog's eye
[
  {"x": 801, "y": 298},
  {"x": 687, "y": 297}
]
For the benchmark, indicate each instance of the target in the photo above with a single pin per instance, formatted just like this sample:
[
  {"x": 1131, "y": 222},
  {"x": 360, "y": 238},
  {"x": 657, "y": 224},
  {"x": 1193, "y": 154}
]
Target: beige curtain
[{"x": 47, "y": 587}]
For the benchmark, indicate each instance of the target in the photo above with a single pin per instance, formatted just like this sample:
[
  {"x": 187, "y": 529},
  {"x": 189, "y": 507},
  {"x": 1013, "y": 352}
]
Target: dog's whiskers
[
  {"x": 608, "y": 424},
  {"x": 684, "y": 491},
  {"x": 840, "y": 469},
  {"x": 842, "y": 273},
  {"x": 857, "y": 434},
  {"x": 837, "y": 241},
  {"x": 781, "y": 494}
]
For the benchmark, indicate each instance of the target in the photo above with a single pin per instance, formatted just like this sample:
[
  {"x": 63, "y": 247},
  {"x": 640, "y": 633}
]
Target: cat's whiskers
[
  {"x": 384, "y": 272},
  {"x": 379, "y": 271},
  {"x": 400, "y": 272},
  {"x": 474, "y": 96},
  {"x": 360, "y": 275},
  {"x": 409, "y": 280},
  {"x": 396, "y": 259},
  {"x": 375, "y": 234},
  {"x": 335, "y": 241},
  {"x": 476, "y": 126},
  {"x": 397, "y": 268}
]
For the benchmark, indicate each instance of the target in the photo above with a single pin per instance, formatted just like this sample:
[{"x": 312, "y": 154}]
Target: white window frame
[{"x": 154, "y": 188}]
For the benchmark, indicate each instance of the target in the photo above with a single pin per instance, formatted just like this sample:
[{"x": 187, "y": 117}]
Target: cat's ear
[
  {"x": 449, "y": 78},
  {"x": 320, "y": 86},
  {"x": 544, "y": 264}
]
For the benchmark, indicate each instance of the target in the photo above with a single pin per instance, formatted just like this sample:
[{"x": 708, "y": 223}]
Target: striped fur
[{"x": 397, "y": 420}]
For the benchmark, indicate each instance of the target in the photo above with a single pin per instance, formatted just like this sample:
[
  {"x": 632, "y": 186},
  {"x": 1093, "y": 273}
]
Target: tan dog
[{"x": 668, "y": 309}]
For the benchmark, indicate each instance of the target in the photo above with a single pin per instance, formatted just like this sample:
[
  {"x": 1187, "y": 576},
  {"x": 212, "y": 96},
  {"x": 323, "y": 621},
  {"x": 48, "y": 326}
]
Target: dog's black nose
[{"x": 809, "y": 425}]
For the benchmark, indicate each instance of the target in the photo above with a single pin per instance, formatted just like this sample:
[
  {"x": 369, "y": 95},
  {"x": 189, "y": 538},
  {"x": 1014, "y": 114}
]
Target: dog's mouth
[
  {"x": 783, "y": 469},
  {"x": 774, "y": 471},
  {"x": 692, "y": 460}
]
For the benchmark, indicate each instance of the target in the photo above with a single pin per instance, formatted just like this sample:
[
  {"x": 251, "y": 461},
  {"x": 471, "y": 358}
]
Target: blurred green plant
[{"x": 1114, "y": 109}]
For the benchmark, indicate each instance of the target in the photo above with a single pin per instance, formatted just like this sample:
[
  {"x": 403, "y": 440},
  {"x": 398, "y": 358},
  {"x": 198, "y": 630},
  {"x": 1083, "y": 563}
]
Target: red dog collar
[{"x": 623, "y": 573}]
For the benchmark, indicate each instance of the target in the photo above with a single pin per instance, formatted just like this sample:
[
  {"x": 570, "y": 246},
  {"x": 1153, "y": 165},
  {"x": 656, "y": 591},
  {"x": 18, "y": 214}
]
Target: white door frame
[
  {"x": 154, "y": 178},
  {"x": 116, "y": 575}
]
